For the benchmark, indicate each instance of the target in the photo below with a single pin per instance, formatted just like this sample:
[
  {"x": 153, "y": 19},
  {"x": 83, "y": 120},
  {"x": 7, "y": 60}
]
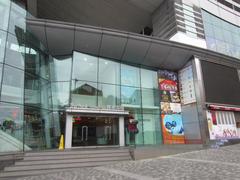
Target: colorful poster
[
  {"x": 167, "y": 85},
  {"x": 172, "y": 126},
  {"x": 221, "y": 128},
  {"x": 165, "y": 96},
  {"x": 172, "y": 129}
]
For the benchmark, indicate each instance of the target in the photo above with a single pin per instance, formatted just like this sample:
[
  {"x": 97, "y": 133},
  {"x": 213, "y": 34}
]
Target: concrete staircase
[{"x": 36, "y": 163}]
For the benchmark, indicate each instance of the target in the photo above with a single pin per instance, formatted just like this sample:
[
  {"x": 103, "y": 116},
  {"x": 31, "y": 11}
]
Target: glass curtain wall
[
  {"x": 26, "y": 117},
  {"x": 221, "y": 36},
  {"x": 103, "y": 82}
]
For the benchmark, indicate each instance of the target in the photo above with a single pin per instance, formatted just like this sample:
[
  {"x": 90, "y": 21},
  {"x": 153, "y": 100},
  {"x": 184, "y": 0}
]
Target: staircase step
[
  {"x": 68, "y": 152},
  {"x": 73, "y": 156},
  {"x": 75, "y": 160},
  {"x": 36, "y": 163},
  {"x": 55, "y": 166},
  {"x": 15, "y": 174}
]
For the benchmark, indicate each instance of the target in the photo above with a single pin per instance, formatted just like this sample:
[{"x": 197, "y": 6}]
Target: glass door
[{"x": 94, "y": 131}]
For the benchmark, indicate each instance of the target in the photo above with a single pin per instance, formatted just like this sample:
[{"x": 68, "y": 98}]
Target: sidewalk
[{"x": 215, "y": 164}]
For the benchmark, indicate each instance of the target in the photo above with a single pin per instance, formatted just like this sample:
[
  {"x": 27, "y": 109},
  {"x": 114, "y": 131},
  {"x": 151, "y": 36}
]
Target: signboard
[
  {"x": 86, "y": 109},
  {"x": 186, "y": 86},
  {"x": 172, "y": 126},
  {"x": 221, "y": 125}
]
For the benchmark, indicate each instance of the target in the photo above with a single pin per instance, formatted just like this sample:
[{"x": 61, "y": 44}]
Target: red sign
[
  {"x": 223, "y": 108},
  {"x": 168, "y": 85}
]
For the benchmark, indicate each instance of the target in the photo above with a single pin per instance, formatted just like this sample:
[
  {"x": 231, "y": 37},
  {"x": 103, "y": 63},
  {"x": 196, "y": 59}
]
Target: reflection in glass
[
  {"x": 149, "y": 79},
  {"x": 12, "y": 85},
  {"x": 11, "y": 127},
  {"x": 84, "y": 93},
  {"x": 31, "y": 90},
  {"x": 130, "y": 76},
  {"x": 61, "y": 69},
  {"x": 2, "y": 44},
  {"x": 151, "y": 129},
  {"x": 130, "y": 97},
  {"x": 40, "y": 132},
  {"x": 45, "y": 65},
  {"x": 17, "y": 19},
  {"x": 4, "y": 13},
  {"x": 110, "y": 95},
  {"x": 150, "y": 100},
  {"x": 109, "y": 71},
  {"x": 84, "y": 67},
  {"x": 60, "y": 94},
  {"x": 92, "y": 131},
  {"x": 32, "y": 61},
  {"x": 15, "y": 52}
]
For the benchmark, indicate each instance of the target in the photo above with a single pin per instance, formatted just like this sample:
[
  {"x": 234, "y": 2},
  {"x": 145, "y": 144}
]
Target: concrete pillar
[
  {"x": 121, "y": 131},
  {"x": 68, "y": 132}
]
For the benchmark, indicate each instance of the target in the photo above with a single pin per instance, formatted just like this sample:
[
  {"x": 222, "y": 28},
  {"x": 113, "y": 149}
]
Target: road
[{"x": 215, "y": 164}]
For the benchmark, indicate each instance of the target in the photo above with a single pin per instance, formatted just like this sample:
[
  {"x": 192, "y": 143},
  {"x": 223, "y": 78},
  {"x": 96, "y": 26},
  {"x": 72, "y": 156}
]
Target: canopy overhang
[{"x": 61, "y": 38}]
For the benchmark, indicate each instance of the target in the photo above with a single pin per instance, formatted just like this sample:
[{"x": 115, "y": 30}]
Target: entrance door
[{"x": 94, "y": 131}]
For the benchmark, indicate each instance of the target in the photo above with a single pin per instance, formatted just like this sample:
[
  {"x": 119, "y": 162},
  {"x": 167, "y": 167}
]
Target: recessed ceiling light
[{"x": 85, "y": 59}]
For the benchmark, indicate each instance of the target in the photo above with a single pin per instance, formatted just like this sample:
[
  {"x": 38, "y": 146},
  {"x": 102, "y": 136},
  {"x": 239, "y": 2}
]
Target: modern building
[{"x": 81, "y": 68}]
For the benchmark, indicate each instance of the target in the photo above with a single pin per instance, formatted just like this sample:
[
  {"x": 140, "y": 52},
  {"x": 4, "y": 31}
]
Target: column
[
  {"x": 121, "y": 131},
  {"x": 68, "y": 132}
]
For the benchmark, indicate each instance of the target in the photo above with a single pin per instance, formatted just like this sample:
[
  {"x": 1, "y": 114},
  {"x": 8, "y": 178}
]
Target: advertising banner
[
  {"x": 172, "y": 126},
  {"x": 221, "y": 125},
  {"x": 186, "y": 84}
]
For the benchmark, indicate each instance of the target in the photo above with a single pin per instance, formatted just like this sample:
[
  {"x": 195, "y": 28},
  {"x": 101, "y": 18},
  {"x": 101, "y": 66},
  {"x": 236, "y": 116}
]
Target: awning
[{"x": 61, "y": 38}]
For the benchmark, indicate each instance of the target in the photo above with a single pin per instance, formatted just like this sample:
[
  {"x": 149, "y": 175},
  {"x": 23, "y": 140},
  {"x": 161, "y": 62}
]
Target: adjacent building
[{"x": 83, "y": 68}]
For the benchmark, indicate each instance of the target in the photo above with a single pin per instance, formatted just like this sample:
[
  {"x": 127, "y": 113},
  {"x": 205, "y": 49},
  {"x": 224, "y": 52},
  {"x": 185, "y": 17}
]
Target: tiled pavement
[{"x": 217, "y": 164}]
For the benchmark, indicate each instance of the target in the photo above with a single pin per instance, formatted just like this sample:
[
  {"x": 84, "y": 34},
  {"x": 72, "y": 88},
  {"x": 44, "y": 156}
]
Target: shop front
[{"x": 94, "y": 127}]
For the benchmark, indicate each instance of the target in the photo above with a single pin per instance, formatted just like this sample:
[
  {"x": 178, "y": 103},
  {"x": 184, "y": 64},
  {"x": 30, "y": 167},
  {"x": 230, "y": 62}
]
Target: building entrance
[{"x": 94, "y": 131}]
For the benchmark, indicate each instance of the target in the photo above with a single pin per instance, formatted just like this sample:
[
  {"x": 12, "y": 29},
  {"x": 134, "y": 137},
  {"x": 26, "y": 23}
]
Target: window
[
  {"x": 2, "y": 44},
  {"x": 84, "y": 67},
  {"x": 12, "y": 85},
  {"x": 109, "y": 71},
  {"x": 130, "y": 76},
  {"x": 14, "y": 52},
  {"x": 4, "y": 14}
]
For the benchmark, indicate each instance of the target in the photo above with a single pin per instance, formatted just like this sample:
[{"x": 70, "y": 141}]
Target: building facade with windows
[{"x": 174, "y": 66}]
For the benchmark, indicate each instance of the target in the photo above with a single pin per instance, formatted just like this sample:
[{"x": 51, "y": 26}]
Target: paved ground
[{"x": 216, "y": 164}]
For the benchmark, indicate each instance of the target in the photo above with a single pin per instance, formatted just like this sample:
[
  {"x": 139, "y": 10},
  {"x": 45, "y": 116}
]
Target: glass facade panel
[
  {"x": 32, "y": 62},
  {"x": 45, "y": 65},
  {"x": 85, "y": 67},
  {"x": 109, "y": 71},
  {"x": 109, "y": 95},
  {"x": 4, "y": 14},
  {"x": 151, "y": 129},
  {"x": 40, "y": 132},
  {"x": 11, "y": 127},
  {"x": 60, "y": 94},
  {"x": 150, "y": 100},
  {"x": 14, "y": 52},
  {"x": 32, "y": 90},
  {"x": 149, "y": 79},
  {"x": 12, "y": 85},
  {"x": 2, "y": 44},
  {"x": 17, "y": 19},
  {"x": 84, "y": 93},
  {"x": 130, "y": 97},
  {"x": 221, "y": 36},
  {"x": 130, "y": 76},
  {"x": 61, "y": 69}
]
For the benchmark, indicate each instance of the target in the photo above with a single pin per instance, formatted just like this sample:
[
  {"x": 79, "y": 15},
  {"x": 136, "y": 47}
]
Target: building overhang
[{"x": 61, "y": 38}]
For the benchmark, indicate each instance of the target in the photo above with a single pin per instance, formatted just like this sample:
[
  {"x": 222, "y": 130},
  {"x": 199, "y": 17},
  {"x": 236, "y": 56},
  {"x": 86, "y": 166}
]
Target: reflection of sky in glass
[
  {"x": 221, "y": 36},
  {"x": 127, "y": 91}
]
